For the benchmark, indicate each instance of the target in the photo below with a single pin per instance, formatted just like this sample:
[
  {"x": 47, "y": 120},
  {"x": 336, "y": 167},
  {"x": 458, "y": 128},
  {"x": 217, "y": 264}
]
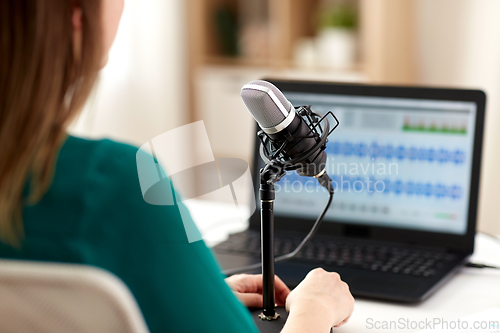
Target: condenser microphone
[
  {"x": 291, "y": 139},
  {"x": 269, "y": 107},
  {"x": 279, "y": 120}
]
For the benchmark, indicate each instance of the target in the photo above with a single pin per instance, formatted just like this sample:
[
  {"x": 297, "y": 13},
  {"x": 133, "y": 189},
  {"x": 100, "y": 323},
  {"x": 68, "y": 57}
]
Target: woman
[{"x": 72, "y": 200}]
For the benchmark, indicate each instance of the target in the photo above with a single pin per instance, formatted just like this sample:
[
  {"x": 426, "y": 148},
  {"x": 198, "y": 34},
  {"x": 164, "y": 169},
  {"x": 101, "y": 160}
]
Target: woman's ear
[{"x": 76, "y": 22}]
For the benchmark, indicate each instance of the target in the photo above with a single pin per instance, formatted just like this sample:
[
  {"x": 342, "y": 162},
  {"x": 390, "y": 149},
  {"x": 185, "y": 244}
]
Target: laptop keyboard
[{"x": 387, "y": 259}]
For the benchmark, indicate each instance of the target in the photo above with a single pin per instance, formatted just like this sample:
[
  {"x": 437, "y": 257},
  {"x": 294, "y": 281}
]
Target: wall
[
  {"x": 459, "y": 45},
  {"x": 142, "y": 90}
]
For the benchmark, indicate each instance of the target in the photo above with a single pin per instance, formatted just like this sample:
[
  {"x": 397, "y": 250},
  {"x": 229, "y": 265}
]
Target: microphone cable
[
  {"x": 292, "y": 254},
  {"x": 476, "y": 265}
]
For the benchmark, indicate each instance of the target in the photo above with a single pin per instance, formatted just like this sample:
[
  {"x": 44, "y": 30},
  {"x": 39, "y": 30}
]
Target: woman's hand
[
  {"x": 320, "y": 301},
  {"x": 248, "y": 289}
]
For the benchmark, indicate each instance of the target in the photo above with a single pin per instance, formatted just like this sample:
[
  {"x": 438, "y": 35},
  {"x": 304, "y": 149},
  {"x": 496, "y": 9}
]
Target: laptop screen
[{"x": 395, "y": 162}]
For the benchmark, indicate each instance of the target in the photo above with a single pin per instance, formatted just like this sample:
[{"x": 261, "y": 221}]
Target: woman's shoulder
[
  {"x": 110, "y": 188},
  {"x": 104, "y": 155},
  {"x": 101, "y": 149},
  {"x": 100, "y": 165},
  {"x": 106, "y": 172},
  {"x": 94, "y": 181}
]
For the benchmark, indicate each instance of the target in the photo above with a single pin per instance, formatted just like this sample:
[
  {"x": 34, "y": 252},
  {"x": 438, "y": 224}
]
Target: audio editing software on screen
[{"x": 394, "y": 162}]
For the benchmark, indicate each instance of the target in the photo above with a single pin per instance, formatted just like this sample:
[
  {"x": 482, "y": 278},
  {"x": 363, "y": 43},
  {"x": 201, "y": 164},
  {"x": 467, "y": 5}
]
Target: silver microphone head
[{"x": 268, "y": 106}]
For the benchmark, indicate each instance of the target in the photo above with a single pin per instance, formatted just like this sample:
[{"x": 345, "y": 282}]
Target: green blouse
[{"x": 94, "y": 214}]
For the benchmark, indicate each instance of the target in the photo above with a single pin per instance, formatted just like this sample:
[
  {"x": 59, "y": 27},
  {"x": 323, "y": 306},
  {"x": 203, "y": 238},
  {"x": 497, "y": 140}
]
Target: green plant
[{"x": 338, "y": 16}]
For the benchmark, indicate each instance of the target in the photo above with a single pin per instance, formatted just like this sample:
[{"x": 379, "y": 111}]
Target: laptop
[{"x": 405, "y": 165}]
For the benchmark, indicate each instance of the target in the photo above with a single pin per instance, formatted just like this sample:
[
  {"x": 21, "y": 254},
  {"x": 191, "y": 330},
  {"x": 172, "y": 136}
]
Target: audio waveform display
[
  {"x": 400, "y": 152},
  {"x": 371, "y": 185}
]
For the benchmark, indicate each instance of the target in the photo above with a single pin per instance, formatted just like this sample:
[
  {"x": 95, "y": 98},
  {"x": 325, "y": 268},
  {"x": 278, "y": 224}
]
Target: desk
[{"x": 470, "y": 291}]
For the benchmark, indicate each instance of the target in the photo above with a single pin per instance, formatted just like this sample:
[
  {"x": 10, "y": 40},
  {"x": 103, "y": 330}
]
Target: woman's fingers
[
  {"x": 281, "y": 291},
  {"x": 250, "y": 300},
  {"x": 255, "y": 300},
  {"x": 245, "y": 284}
]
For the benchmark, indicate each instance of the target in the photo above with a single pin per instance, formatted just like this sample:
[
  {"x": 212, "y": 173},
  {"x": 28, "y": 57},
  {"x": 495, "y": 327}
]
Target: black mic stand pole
[
  {"x": 270, "y": 321},
  {"x": 267, "y": 196}
]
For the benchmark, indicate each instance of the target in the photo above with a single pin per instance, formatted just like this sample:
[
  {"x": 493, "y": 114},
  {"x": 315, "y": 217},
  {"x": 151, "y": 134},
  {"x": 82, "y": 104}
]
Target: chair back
[{"x": 38, "y": 297}]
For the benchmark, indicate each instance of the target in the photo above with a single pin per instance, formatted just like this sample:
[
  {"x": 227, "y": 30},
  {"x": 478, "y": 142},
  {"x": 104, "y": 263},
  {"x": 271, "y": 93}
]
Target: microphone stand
[
  {"x": 270, "y": 320},
  {"x": 267, "y": 196},
  {"x": 274, "y": 170}
]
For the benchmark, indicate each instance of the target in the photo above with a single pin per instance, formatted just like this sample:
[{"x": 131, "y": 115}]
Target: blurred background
[{"x": 178, "y": 61}]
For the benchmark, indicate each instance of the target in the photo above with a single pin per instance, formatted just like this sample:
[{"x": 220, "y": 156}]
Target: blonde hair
[{"x": 43, "y": 86}]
